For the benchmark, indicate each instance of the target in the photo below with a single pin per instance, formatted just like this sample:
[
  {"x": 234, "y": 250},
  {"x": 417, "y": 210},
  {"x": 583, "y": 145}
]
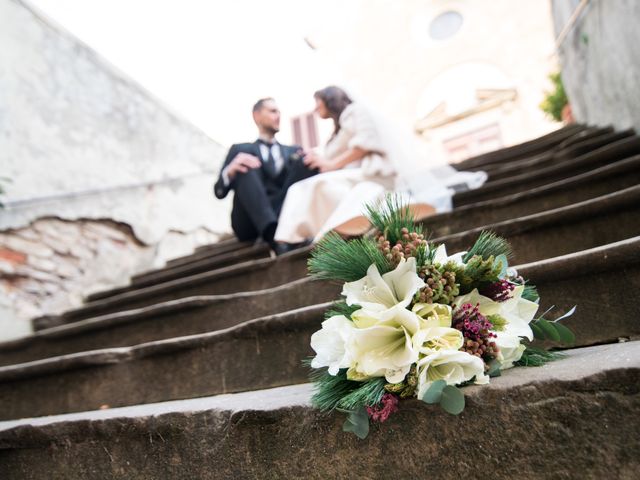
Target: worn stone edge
[
  {"x": 127, "y": 316},
  {"x": 604, "y": 204},
  {"x": 281, "y": 322},
  {"x": 569, "y": 369}
]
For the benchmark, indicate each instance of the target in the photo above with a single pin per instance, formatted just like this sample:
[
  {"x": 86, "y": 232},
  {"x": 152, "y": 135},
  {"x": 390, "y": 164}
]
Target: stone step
[
  {"x": 227, "y": 244},
  {"x": 174, "y": 318},
  {"x": 259, "y": 353},
  {"x": 584, "y": 135},
  {"x": 580, "y": 226},
  {"x": 558, "y": 156},
  {"x": 222, "y": 246},
  {"x": 598, "y": 281},
  {"x": 522, "y": 150},
  {"x": 211, "y": 252},
  {"x": 576, "y": 415},
  {"x": 608, "y": 154},
  {"x": 205, "y": 264},
  {"x": 588, "y": 132},
  {"x": 267, "y": 351},
  {"x": 247, "y": 276},
  {"x": 603, "y": 180}
]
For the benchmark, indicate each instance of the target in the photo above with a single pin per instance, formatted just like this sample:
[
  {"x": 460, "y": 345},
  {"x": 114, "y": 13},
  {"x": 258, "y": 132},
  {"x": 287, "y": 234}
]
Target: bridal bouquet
[{"x": 416, "y": 322}]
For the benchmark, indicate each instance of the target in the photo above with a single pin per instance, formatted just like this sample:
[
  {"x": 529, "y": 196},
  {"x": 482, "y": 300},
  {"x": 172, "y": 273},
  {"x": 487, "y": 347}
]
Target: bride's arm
[{"x": 350, "y": 155}]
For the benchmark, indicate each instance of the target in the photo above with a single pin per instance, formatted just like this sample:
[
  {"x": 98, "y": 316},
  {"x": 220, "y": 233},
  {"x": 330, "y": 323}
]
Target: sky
[{"x": 209, "y": 61}]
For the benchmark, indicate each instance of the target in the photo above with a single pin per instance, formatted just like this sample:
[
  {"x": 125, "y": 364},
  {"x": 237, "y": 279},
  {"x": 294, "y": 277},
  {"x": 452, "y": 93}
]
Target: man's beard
[{"x": 271, "y": 130}]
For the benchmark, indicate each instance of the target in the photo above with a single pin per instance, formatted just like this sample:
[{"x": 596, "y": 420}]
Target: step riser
[
  {"x": 472, "y": 218},
  {"x": 527, "y": 149},
  {"x": 605, "y": 310},
  {"x": 610, "y": 154},
  {"x": 165, "y": 323},
  {"x": 268, "y": 274},
  {"x": 207, "y": 251},
  {"x": 533, "y": 428},
  {"x": 586, "y": 146},
  {"x": 267, "y": 352},
  {"x": 532, "y": 243},
  {"x": 253, "y": 359},
  {"x": 193, "y": 268}
]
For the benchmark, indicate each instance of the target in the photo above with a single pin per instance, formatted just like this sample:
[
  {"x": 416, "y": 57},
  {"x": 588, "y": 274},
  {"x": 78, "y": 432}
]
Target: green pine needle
[
  {"x": 536, "y": 357},
  {"x": 337, "y": 259},
  {"x": 489, "y": 244},
  {"x": 390, "y": 216},
  {"x": 367, "y": 394},
  {"x": 337, "y": 392},
  {"x": 530, "y": 293}
]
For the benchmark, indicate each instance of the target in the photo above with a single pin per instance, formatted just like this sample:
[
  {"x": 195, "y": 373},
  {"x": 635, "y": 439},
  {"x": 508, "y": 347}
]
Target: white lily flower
[
  {"x": 517, "y": 311},
  {"x": 452, "y": 366},
  {"x": 379, "y": 293},
  {"x": 433, "y": 314},
  {"x": 442, "y": 258},
  {"x": 384, "y": 347},
  {"x": 439, "y": 338},
  {"x": 330, "y": 344},
  {"x": 511, "y": 349}
]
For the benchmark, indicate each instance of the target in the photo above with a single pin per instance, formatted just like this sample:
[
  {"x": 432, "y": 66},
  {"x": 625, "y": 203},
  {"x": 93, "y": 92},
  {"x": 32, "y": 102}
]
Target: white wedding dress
[{"x": 325, "y": 201}]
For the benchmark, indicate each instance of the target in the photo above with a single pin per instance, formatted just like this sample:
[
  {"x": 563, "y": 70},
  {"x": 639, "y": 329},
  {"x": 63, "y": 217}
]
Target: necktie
[{"x": 270, "y": 164}]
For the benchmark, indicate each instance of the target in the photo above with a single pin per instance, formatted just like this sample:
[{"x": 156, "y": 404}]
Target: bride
[{"x": 360, "y": 163}]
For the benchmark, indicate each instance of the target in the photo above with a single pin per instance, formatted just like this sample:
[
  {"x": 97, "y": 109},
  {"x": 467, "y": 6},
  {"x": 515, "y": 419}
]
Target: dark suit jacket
[{"x": 273, "y": 185}]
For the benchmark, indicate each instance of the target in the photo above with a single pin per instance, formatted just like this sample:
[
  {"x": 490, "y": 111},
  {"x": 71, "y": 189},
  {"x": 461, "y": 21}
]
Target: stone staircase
[{"x": 194, "y": 370}]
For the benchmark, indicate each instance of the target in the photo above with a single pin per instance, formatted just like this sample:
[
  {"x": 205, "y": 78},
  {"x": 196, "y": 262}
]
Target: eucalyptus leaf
[
  {"x": 537, "y": 331},
  {"x": 494, "y": 368},
  {"x": 452, "y": 400},
  {"x": 567, "y": 337},
  {"x": 357, "y": 422},
  {"x": 549, "y": 330},
  {"x": 434, "y": 392},
  {"x": 504, "y": 265}
]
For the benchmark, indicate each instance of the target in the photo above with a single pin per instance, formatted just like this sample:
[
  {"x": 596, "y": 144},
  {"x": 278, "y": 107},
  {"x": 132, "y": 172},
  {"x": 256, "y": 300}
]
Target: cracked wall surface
[
  {"x": 50, "y": 265},
  {"x": 87, "y": 150}
]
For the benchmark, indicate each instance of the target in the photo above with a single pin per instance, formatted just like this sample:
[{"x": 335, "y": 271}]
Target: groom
[{"x": 260, "y": 174}]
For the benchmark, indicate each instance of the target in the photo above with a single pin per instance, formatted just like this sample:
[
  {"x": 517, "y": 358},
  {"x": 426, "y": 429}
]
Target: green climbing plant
[{"x": 556, "y": 99}]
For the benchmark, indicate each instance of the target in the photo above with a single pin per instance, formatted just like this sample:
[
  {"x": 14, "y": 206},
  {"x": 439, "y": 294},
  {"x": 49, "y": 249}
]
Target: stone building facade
[
  {"x": 467, "y": 75},
  {"x": 104, "y": 180}
]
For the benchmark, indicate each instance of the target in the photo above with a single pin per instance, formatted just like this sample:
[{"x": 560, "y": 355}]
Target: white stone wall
[
  {"x": 601, "y": 61},
  {"x": 80, "y": 141}
]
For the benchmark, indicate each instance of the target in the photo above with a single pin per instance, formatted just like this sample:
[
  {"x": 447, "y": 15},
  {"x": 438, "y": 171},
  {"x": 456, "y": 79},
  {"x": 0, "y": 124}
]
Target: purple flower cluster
[
  {"x": 499, "y": 291},
  {"x": 475, "y": 328},
  {"x": 382, "y": 411}
]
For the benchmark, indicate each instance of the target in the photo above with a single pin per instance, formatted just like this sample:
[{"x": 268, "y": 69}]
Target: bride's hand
[{"x": 313, "y": 160}]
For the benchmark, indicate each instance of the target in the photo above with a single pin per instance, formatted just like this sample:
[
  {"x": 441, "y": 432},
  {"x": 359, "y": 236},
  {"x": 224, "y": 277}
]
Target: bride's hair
[{"x": 336, "y": 100}]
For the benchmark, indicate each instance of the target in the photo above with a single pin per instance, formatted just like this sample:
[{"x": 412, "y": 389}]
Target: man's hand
[{"x": 242, "y": 163}]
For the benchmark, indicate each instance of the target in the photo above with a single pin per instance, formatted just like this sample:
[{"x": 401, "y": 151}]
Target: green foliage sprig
[
  {"x": 347, "y": 261},
  {"x": 390, "y": 216},
  {"x": 536, "y": 357},
  {"x": 556, "y": 99},
  {"x": 340, "y": 307},
  {"x": 338, "y": 392},
  {"x": 489, "y": 244}
]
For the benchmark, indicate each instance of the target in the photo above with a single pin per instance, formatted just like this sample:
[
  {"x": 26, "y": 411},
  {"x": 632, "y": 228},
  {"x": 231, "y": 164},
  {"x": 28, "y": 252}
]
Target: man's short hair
[{"x": 260, "y": 103}]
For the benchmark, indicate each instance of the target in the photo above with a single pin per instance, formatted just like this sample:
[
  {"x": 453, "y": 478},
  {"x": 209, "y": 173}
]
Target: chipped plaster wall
[
  {"x": 80, "y": 141},
  {"x": 601, "y": 61}
]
